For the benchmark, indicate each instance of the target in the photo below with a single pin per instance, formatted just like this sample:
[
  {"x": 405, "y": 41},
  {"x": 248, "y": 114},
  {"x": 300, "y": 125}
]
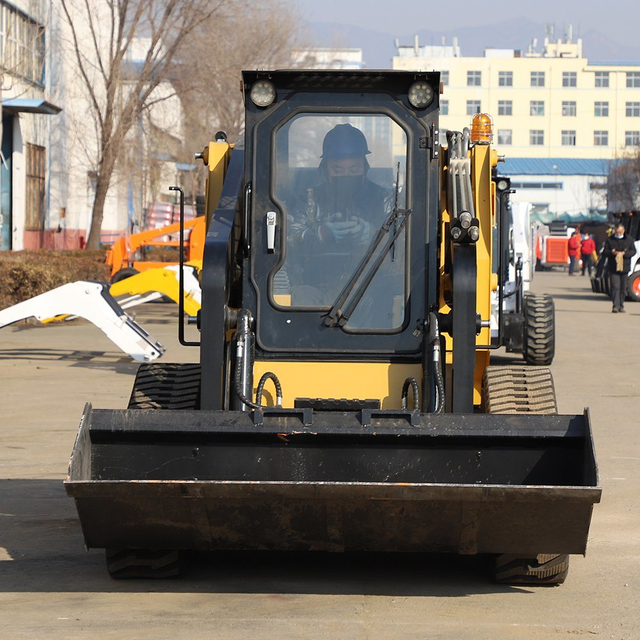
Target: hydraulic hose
[
  {"x": 434, "y": 340},
  {"x": 244, "y": 366},
  {"x": 263, "y": 380},
  {"x": 410, "y": 382}
]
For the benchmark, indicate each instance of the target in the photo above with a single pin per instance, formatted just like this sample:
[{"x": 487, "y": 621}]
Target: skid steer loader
[
  {"x": 521, "y": 321},
  {"x": 342, "y": 399}
]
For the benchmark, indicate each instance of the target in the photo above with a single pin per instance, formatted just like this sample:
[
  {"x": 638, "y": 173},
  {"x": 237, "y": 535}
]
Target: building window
[
  {"x": 21, "y": 44},
  {"x": 536, "y": 137},
  {"x": 35, "y": 187},
  {"x": 505, "y": 78},
  {"x": 601, "y": 138},
  {"x": 505, "y": 107},
  {"x": 444, "y": 107},
  {"x": 568, "y": 138},
  {"x": 633, "y": 79},
  {"x": 537, "y": 108},
  {"x": 473, "y": 107},
  {"x": 633, "y": 109},
  {"x": 569, "y": 78},
  {"x": 601, "y": 109},
  {"x": 536, "y": 185},
  {"x": 568, "y": 108},
  {"x": 632, "y": 138},
  {"x": 537, "y": 78},
  {"x": 444, "y": 77},
  {"x": 602, "y": 79},
  {"x": 505, "y": 136},
  {"x": 474, "y": 78}
]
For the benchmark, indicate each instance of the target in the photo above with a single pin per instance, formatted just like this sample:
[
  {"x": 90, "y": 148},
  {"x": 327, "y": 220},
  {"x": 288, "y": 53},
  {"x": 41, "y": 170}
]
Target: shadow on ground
[
  {"x": 42, "y": 551},
  {"x": 82, "y": 358}
]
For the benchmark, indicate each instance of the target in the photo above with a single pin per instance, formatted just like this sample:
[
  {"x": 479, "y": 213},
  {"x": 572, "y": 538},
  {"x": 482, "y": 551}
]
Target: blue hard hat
[{"x": 344, "y": 141}]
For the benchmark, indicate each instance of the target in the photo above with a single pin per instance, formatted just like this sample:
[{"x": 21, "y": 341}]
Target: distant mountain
[{"x": 517, "y": 33}]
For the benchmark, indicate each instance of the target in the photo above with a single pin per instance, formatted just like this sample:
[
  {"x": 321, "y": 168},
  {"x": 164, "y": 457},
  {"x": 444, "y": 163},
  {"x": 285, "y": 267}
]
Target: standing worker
[
  {"x": 619, "y": 249},
  {"x": 574, "y": 250},
  {"x": 587, "y": 247}
]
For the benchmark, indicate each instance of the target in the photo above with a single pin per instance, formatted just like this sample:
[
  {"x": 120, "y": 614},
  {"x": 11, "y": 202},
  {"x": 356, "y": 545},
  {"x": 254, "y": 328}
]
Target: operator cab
[{"x": 342, "y": 176}]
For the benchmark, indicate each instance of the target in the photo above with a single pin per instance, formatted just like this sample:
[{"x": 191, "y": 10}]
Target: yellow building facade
[{"x": 548, "y": 104}]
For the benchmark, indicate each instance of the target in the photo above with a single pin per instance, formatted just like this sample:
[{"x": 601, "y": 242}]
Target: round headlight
[
  {"x": 263, "y": 93},
  {"x": 502, "y": 185},
  {"x": 420, "y": 94}
]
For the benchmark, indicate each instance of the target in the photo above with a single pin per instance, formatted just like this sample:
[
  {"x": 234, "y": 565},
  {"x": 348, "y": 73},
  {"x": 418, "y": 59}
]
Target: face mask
[
  {"x": 344, "y": 190},
  {"x": 619, "y": 237}
]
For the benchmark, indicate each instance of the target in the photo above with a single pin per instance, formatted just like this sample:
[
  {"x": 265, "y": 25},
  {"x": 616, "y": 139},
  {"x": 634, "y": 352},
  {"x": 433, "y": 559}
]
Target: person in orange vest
[
  {"x": 587, "y": 247},
  {"x": 574, "y": 250}
]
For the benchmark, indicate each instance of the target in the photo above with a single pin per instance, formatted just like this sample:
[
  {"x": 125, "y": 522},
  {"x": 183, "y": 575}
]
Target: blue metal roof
[
  {"x": 608, "y": 63},
  {"x": 30, "y": 105},
  {"x": 554, "y": 167}
]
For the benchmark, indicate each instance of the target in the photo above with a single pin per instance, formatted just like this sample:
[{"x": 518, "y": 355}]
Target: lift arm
[
  {"x": 93, "y": 302},
  {"x": 154, "y": 283}
]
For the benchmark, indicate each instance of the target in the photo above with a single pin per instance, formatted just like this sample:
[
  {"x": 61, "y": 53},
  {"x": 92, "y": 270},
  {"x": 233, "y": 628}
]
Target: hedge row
[{"x": 24, "y": 274}]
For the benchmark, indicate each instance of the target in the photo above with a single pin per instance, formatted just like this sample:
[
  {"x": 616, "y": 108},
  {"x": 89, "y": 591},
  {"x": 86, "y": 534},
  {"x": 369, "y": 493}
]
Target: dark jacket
[{"x": 619, "y": 244}]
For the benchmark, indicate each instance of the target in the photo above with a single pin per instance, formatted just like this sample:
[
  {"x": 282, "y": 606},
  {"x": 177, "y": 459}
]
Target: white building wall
[
  {"x": 327, "y": 58},
  {"x": 18, "y": 188},
  {"x": 574, "y": 197}
]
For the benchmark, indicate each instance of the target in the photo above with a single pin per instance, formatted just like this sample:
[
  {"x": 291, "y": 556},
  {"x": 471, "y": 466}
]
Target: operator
[
  {"x": 339, "y": 217},
  {"x": 345, "y": 205}
]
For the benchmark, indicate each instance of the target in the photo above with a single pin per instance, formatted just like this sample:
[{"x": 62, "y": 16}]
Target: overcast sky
[{"x": 617, "y": 19}]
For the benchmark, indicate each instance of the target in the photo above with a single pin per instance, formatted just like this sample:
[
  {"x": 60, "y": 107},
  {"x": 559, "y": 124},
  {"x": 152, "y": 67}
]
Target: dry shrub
[
  {"x": 162, "y": 254},
  {"x": 25, "y": 274}
]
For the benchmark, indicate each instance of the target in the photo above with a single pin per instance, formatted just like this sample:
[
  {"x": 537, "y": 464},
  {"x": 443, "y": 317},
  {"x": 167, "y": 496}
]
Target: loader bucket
[{"x": 211, "y": 480}]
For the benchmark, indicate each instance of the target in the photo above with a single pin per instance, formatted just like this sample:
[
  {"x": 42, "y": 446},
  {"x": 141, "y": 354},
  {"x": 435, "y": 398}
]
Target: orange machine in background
[{"x": 124, "y": 256}]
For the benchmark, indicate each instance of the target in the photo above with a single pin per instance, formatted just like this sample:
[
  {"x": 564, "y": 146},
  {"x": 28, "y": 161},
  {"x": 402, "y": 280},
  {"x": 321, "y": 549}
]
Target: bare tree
[
  {"x": 623, "y": 183},
  {"x": 243, "y": 35},
  {"x": 102, "y": 33}
]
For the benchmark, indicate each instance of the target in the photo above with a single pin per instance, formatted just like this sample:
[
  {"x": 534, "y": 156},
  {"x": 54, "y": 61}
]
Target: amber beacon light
[{"x": 482, "y": 128}]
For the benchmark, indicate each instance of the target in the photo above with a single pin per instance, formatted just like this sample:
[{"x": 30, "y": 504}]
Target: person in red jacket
[
  {"x": 587, "y": 247},
  {"x": 574, "y": 250}
]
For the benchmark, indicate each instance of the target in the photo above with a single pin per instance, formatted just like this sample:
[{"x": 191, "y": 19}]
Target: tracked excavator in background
[{"x": 343, "y": 398}]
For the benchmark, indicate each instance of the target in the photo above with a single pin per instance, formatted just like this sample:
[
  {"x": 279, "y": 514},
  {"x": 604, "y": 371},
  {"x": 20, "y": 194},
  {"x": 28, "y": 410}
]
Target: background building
[
  {"x": 559, "y": 188},
  {"x": 547, "y": 103},
  {"x": 27, "y": 133},
  {"x": 49, "y": 145},
  {"x": 327, "y": 58}
]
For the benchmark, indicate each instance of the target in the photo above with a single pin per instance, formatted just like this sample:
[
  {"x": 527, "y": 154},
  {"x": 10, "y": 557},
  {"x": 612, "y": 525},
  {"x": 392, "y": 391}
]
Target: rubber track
[
  {"x": 143, "y": 563},
  {"x": 543, "y": 569},
  {"x": 524, "y": 390},
  {"x": 166, "y": 386},
  {"x": 519, "y": 389},
  {"x": 539, "y": 332}
]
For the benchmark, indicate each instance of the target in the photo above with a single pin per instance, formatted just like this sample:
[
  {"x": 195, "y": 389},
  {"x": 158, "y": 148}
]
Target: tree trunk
[{"x": 102, "y": 188}]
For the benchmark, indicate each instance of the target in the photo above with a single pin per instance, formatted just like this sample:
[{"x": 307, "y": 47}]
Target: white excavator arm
[{"x": 93, "y": 302}]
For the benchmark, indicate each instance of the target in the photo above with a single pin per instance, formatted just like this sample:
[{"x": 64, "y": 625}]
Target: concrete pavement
[{"x": 51, "y": 588}]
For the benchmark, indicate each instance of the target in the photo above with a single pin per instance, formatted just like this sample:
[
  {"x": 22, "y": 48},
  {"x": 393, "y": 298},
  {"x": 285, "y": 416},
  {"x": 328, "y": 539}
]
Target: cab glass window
[{"x": 339, "y": 182}]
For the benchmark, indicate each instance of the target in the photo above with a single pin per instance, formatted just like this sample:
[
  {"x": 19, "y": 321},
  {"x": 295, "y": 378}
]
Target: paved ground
[{"x": 51, "y": 588}]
